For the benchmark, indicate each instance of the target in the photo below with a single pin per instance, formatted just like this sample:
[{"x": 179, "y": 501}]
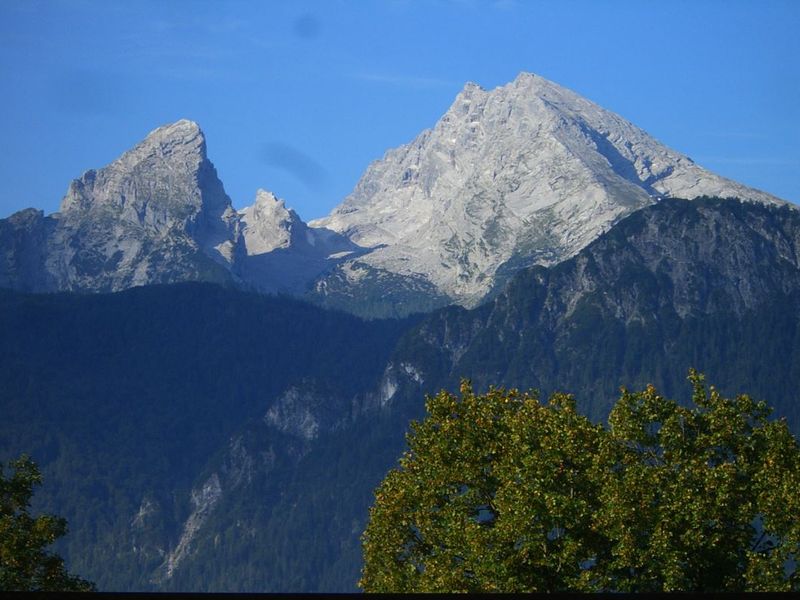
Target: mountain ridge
[
  {"x": 661, "y": 273},
  {"x": 218, "y": 440},
  {"x": 528, "y": 173}
]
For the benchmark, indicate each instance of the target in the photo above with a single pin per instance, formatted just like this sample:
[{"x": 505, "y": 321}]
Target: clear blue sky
[{"x": 299, "y": 96}]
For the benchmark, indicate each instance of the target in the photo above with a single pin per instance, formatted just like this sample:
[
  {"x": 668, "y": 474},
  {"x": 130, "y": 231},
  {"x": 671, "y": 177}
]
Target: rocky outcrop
[
  {"x": 204, "y": 499},
  {"x": 24, "y": 251},
  {"x": 268, "y": 225},
  {"x": 279, "y": 252}
]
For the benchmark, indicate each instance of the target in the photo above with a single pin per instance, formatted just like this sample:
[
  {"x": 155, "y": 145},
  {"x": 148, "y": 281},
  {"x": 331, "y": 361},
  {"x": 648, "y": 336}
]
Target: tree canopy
[
  {"x": 25, "y": 565},
  {"x": 501, "y": 493}
]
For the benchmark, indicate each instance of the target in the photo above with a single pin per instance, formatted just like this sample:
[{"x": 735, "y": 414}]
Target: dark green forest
[
  {"x": 128, "y": 396},
  {"x": 131, "y": 403}
]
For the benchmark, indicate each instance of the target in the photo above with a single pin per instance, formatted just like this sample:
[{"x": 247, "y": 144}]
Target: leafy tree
[
  {"x": 500, "y": 493},
  {"x": 24, "y": 563}
]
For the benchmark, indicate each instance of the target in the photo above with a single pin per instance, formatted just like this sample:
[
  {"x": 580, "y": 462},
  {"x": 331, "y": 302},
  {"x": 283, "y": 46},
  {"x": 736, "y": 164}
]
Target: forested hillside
[
  {"x": 125, "y": 399},
  {"x": 202, "y": 438}
]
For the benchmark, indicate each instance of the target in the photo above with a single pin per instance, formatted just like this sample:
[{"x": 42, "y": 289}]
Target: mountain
[
  {"x": 217, "y": 440},
  {"x": 528, "y": 173},
  {"x": 713, "y": 284},
  {"x": 200, "y": 437},
  {"x": 157, "y": 214},
  {"x": 280, "y": 253},
  {"x": 160, "y": 214}
]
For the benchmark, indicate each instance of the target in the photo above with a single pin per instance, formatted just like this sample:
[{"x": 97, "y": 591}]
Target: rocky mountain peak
[
  {"x": 531, "y": 84},
  {"x": 470, "y": 89},
  {"x": 158, "y": 213},
  {"x": 181, "y": 130},
  {"x": 182, "y": 137},
  {"x": 527, "y": 173},
  {"x": 160, "y": 176},
  {"x": 268, "y": 224},
  {"x": 25, "y": 217},
  {"x": 266, "y": 201},
  {"x": 181, "y": 143}
]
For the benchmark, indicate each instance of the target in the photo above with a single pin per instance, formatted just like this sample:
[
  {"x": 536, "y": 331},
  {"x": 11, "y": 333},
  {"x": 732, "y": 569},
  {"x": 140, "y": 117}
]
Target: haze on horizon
[{"x": 298, "y": 98}]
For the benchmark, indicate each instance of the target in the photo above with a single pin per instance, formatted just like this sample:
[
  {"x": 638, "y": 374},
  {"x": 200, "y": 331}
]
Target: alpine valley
[{"x": 213, "y": 394}]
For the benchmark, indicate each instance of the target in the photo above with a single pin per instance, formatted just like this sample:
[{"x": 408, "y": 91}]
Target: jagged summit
[
  {"x": 179, "y": 127},
  {"x": 173, "y": 142},
  {"x": 158, "y": 213},
  {"x": 267, "y": 201},
  {"x": 278, "y": 252},
  {"x": 268, "y": 224},
  {"x": 529, "y": 172},
  {"x": 470, "y": 87},
  {"x": 182, "y": 136},
  {"x": 528, "y": 86},
  {"x": 182, "y": 128},
  {"x": 162, "y": 168},
  {"x": 533, "y": 81}
]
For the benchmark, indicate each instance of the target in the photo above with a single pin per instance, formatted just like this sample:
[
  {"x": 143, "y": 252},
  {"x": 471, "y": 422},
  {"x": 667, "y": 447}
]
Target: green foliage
[
  {"x": 25, "y": 565},
  {"x": 500, "y": 493}
]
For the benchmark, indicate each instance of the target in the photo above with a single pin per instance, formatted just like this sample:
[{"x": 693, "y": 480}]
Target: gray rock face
[
  {"x": 158, "y": 214},
  {"x": 528, "y": 173},
  {"x": 268, "y": 225},
  {"x": 23, "y": 251},
  {"x": 279, "y": 252}
]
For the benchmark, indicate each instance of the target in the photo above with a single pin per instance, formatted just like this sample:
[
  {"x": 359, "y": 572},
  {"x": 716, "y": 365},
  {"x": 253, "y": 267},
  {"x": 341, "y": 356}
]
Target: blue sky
[{"x": 299, "y": 96}]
